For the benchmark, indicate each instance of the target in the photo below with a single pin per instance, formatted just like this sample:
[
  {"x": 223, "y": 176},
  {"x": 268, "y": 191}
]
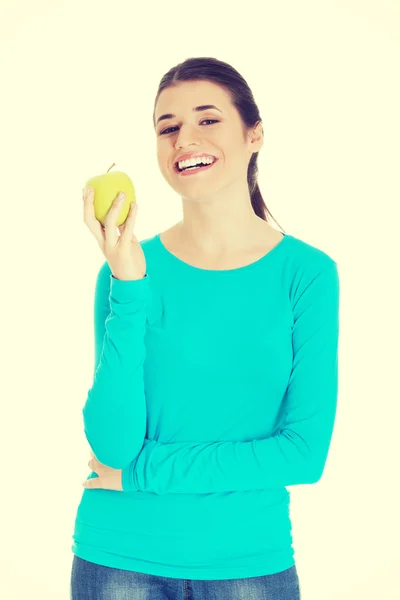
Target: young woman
[{"x": 216, "y": 370}]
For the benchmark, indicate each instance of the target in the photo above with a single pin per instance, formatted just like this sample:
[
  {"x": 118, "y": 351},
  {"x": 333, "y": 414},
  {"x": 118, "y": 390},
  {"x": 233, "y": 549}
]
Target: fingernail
[{"x": 122, "y": 196}]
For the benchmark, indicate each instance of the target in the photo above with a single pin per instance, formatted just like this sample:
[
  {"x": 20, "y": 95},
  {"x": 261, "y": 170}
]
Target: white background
[{"x": 78, "y": 82}]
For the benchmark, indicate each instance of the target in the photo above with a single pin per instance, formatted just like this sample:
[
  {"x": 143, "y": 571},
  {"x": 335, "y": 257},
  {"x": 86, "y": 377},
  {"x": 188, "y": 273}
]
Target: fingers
[
  {"x": 110, "y": 223},
  {"x": 93, "y": 483},
  {"x": 129, "y": 225},
  {"x": 108, "y": 233},
  {"x": 89, "y": 217}
]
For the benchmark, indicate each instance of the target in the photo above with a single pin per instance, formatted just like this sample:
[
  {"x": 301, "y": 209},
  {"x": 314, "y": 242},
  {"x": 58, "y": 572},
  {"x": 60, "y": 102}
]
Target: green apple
[{"x": 106, "y": 188}]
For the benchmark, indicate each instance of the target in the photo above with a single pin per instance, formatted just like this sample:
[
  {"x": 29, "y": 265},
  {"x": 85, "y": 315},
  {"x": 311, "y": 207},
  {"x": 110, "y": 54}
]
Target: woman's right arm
[{"x": 114, "y": 413}]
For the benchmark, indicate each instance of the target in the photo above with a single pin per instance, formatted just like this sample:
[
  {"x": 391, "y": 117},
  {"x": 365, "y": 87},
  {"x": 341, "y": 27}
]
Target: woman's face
[{"x": 217, "y": 131}]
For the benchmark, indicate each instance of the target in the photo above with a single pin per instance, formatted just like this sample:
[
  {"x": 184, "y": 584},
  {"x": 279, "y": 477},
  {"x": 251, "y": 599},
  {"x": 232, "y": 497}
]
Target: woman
[{"x": 216, "y": 370}]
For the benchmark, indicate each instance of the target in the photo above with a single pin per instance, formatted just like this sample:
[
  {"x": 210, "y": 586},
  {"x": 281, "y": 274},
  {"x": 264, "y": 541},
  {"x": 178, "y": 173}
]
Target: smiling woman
[
  {"x": 214, "y": 388},
  {"x": 195, "y": 130},
  {"x": 222, "y": 206}
]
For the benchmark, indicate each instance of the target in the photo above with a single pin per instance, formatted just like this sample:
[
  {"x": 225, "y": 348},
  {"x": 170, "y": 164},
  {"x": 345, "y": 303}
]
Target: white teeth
[{"x": 194, "y": 161}]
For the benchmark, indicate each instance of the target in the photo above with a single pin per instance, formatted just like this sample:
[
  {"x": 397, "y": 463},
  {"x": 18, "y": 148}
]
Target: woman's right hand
[{"x": 123, "y": 253}]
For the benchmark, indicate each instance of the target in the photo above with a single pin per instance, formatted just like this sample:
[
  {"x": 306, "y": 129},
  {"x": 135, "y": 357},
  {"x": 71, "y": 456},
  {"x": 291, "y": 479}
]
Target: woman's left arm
[{"x": 297, "y": 453}]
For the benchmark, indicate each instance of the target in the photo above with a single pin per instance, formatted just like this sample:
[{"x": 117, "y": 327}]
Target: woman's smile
[{"x": 194, "y": 169}]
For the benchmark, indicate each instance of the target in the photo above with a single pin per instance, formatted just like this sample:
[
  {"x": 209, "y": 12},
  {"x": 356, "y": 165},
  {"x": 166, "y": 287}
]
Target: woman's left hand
[{"x": 108, "y": 478}]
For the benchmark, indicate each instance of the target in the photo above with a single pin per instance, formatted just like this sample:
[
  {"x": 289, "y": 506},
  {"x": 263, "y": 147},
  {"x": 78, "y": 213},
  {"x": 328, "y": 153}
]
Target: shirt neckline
[{"x": 274, "y": 251}]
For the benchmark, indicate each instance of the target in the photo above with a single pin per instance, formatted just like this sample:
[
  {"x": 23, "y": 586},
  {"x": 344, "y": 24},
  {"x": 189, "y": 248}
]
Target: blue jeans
[{"x": 90, "y": 581}]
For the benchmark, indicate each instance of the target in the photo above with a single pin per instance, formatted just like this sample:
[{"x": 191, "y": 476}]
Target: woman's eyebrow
[{"x": 195, "y": 109}]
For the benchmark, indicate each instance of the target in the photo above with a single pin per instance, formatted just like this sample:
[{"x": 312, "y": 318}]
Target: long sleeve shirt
[{"x": 213, "y": 391}]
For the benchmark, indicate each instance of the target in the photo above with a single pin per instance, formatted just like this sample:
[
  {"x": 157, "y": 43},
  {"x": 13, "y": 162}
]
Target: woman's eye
[{"x": 204, "y": 120}]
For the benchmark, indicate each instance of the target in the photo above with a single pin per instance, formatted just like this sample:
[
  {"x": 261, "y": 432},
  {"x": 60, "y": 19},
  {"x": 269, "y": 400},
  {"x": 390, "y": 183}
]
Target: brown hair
[{"x": 222, "y": 74}]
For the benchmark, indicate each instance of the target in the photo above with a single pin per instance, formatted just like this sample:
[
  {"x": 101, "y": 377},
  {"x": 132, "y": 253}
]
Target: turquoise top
[{"x": 213, "y": 391}]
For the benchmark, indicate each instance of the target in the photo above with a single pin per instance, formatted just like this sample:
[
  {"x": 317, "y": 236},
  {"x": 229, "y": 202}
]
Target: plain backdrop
[{"x": 78, "y": 82}]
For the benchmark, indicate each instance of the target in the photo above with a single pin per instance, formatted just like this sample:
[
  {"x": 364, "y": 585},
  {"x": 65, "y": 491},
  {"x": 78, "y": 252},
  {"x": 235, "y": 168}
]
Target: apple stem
[{"x": 113, "y": 165}]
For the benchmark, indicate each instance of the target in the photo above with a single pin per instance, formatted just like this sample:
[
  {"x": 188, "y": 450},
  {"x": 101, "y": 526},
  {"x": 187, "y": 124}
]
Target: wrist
[{"x": 127, "y": 278}]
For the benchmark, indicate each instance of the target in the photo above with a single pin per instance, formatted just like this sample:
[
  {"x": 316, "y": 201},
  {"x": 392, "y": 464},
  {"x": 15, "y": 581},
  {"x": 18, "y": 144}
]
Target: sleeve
[
  {"x": 297, "y": 453},
  {"x": 114, "y": 413}
]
